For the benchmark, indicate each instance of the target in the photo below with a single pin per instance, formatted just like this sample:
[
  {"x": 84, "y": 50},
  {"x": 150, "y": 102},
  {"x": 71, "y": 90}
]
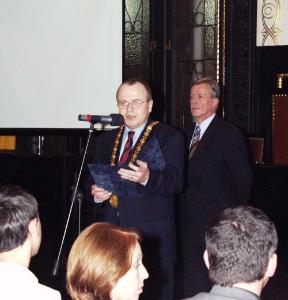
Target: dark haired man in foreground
[
  {"x": 20, "y": 238},
  {"x": 240, "y": 254}
]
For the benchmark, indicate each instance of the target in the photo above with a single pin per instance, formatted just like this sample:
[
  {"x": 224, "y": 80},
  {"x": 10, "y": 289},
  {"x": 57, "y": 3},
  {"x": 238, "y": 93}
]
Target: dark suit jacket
[
  {"x": 217, "y": 176},
  {"x": 152, "y": 213}
]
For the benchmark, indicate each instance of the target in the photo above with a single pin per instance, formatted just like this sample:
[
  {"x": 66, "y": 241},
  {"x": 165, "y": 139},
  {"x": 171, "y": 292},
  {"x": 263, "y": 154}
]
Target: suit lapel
[
  {"x": 141, "y": 135},
  {"x": 189, "y": 133},
  {"x": 206, "y": 139},
  {"x": 115, "y": 133}
]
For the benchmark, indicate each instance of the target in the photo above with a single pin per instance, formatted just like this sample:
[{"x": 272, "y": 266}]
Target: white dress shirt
[
  {"x": 18, "y": 282},
  {"x": 203, "y": 126}
]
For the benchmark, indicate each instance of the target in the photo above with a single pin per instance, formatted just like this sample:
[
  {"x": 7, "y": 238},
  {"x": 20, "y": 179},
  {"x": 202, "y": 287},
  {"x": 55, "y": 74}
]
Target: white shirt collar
[
  {"x": 17, "y": 270},
  {"x": 137, "y": 133},
  {"x": 204, "y": 125}
]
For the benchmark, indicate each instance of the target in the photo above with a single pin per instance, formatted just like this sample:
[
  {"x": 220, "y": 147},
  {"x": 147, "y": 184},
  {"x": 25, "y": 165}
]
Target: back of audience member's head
[
  {"x": 240, "y": 243},
  {"x": 100, "y": 256},
  {"x": 17, "y": 209}
]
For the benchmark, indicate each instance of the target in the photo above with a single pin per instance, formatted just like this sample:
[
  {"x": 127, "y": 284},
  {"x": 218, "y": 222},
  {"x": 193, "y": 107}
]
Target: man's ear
[
  {"x": 216, "y": 102},
  {"x": 206, "y": 260},
  {"x": 272, "y": 265},
  {"x": 32, "y": 226},
  {"x": 150, "y": 105}
]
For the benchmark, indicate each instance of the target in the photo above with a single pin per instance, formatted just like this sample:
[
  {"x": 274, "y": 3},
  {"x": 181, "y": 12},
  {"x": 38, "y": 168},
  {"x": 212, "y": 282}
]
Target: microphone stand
[{"x": 56, "y": 264}]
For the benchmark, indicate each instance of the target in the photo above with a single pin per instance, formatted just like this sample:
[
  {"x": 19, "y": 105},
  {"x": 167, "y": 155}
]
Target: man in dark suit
[
  {"x": 241, "y": 244},
  {"x": 152, "y": 212},
  {"x": 218, "y": 176}
]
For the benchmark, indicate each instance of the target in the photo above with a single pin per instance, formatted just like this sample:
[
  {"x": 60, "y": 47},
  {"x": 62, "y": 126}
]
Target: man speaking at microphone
[{"x": 152, "y": 213}]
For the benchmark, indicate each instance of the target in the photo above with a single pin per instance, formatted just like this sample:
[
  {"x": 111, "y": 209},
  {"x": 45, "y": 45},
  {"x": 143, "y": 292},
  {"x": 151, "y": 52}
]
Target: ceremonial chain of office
[
  {"x": 139, "y": 146},
  {"x": 114, "y": 198}
]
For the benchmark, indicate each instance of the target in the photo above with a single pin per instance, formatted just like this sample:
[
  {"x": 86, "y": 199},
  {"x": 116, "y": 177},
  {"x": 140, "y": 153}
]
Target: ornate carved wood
[{"x": 239, "y": 62}]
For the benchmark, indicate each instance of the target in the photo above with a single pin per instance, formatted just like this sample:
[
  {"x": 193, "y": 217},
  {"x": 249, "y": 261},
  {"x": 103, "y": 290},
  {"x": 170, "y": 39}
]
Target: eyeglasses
[{"x": 134, "y": 103}]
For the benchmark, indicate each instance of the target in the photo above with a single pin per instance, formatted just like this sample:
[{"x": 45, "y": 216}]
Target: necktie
[
  {"x": 195, "y": 140},
  {"x": 127, "y": 149}
]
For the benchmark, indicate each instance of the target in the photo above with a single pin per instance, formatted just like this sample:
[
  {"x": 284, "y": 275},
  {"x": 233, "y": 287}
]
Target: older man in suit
[
  {"x": 152, "y": 210},
  {"x": 218, "y": 176}
]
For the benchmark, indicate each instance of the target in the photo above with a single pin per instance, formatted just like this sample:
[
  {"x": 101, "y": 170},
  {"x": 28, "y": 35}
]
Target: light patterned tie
[
  {"x": 195, "y": 140},
  {"x": 127, "y": 149}
]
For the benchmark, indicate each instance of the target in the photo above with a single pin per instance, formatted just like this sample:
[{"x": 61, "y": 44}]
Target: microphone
[{"x": 113, "y": 119}]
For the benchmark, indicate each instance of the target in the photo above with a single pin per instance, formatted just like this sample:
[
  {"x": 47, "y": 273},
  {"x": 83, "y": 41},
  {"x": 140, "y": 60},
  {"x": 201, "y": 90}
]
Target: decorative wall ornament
[{"x": 272, "y": 22}]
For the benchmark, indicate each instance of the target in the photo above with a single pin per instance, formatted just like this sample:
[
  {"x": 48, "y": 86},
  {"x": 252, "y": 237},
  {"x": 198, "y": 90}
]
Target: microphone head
[
  {"x": 82, "y": 118},
  {"x": 116, "y": 120}
]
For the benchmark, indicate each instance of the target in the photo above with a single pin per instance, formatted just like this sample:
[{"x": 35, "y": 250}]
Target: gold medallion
[{"x": 114, "y": 201}]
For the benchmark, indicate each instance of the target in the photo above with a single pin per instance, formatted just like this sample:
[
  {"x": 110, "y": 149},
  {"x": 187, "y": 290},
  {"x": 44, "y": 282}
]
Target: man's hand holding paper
[
  {"x": 99, "y": 194},
  {"x": 123, "y": 181},
  {"x": 138, "y": 172}
]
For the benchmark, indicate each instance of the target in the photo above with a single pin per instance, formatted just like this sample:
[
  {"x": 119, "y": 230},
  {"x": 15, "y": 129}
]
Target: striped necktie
[
  {"x": 195, "y": 140},
  {"x": 127, "y": 149}
]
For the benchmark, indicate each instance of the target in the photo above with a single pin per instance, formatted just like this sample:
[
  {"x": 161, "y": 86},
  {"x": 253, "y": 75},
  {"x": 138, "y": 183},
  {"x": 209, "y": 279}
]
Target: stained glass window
[{"x": 136, "y": 39}]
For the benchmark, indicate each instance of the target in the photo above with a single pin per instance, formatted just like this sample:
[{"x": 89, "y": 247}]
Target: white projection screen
[{"x": 58, "y": 59}]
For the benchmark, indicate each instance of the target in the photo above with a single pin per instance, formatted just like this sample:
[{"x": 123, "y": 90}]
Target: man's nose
[
  {"x": 193, "y": 100},
  {"x": 130, "y": 106}
]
